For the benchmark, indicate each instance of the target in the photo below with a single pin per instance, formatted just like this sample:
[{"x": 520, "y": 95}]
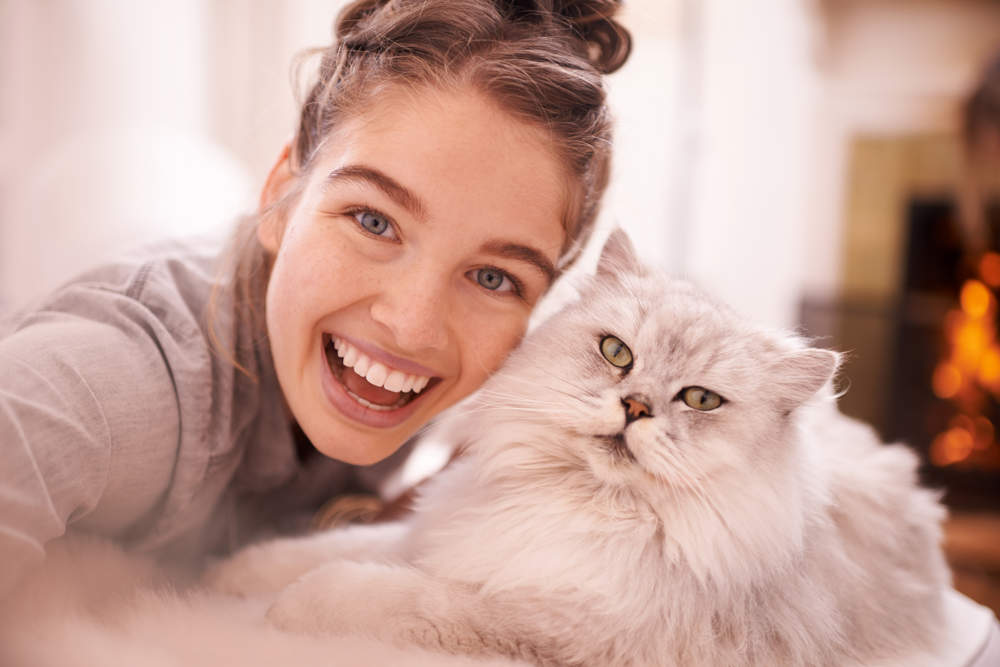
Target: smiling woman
[
  {"x": 448, "y": 165},
  {"x": 409, "y": 214}
]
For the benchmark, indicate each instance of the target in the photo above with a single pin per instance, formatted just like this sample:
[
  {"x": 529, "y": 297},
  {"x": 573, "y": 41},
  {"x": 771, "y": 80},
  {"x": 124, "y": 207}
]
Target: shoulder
[
  {"x": 171, "y": 281},
  {"x": 157, "y": 296},
  {"x": 133, "y": 328}
]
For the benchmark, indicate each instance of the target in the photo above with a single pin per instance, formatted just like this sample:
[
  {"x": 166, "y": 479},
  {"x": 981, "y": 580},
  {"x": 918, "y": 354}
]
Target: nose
[
  {"x": 414, "y": 311},
  {"x": 636, "y": 407}
]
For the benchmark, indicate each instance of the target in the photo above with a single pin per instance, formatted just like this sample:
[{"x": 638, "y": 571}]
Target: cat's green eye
[
  {"x": 616, "y": 352},
  {"x": 700, "y": 398}
]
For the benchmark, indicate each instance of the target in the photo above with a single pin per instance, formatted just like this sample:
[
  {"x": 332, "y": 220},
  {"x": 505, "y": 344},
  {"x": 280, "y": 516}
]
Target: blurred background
[{"x": 804, "y": 159}]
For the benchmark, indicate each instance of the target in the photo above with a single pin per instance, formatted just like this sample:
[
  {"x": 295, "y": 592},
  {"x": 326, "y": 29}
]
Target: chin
[{"x": 359, "y": 450}]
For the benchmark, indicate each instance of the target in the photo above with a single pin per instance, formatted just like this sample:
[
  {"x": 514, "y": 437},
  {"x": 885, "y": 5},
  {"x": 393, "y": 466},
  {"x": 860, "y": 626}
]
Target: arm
[{"x": 88, "y": 431}]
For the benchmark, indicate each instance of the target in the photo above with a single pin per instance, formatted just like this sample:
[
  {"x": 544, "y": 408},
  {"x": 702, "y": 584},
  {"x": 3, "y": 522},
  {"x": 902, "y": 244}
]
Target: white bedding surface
[
  {"x": 99, "y": 606},
  {"x": 92, "y": 604}
]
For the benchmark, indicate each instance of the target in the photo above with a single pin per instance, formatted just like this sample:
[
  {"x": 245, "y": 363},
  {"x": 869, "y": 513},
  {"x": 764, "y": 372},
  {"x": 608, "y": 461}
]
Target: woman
[{"x": 447, "y": 165}]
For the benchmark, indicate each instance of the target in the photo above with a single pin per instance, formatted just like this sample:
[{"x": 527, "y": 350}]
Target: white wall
[
  {"x": 106, "y": 135},
  {"x": 753, "y": 159},
  {"x": 126, "y": 122},
  {"x": 649, "y": 111}
]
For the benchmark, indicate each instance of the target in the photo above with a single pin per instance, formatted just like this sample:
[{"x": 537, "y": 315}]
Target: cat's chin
[
  {"x": 612, "y": 462},
  {"x": 617, "y": 447}
]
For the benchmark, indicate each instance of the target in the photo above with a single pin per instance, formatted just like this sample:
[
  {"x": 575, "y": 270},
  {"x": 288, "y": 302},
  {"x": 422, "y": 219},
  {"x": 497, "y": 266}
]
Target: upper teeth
[{"x": 376, "y": 372}]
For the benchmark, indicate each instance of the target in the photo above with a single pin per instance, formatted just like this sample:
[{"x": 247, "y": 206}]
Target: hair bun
[
  {"x": 353, "y": 14},
  {"x": 606, "y": 42}
]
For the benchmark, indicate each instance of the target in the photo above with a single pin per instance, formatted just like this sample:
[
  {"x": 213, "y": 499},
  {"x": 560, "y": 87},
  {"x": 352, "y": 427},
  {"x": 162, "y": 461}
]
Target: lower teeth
[
  {"x": 375, "y": 406},
  {"x": 333, "y": 359}
]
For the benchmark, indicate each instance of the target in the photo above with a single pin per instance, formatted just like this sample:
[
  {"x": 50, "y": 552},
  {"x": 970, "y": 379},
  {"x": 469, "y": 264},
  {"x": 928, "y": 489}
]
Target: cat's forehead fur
[{"x": 673, "y": 328}]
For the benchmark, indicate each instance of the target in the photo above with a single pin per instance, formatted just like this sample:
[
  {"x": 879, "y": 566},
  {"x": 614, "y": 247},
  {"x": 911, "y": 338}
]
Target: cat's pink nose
[{"x": 636, "y": 407}]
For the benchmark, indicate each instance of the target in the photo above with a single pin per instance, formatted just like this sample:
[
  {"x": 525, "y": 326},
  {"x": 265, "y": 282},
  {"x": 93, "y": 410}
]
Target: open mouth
[{"x": 370, "y": 383}]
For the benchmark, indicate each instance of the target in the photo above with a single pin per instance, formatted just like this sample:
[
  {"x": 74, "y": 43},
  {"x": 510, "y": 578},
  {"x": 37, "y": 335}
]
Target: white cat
[{"x": 649, "y": 480}]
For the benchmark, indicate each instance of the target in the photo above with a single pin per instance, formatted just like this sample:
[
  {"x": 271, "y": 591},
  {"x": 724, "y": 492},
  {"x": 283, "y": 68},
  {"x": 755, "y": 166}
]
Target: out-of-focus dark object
[
  {"x": 982, "y": 112},
  {"x": 945, "y": 369},
  {"x": 981, "y": 141},
  {"x": 963, "y": 258}
]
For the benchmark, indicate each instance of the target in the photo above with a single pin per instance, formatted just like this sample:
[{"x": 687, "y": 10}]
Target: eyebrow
[
  {"x": 411, "y": 202},
  {"x": 391, "y": 187},
  {"x": 523, "y": 253}
]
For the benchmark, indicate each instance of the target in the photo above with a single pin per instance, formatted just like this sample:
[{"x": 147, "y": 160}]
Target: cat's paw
[
  {"x": 251, "y": 572},
  {"x": 342, "y": 598},
  {"x": 312, "y": 606}
]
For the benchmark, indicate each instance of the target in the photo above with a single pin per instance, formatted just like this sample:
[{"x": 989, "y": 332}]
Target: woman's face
[{"x": 423, "y": 236}]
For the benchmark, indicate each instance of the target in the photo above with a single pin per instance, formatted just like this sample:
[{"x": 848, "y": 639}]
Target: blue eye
[
  {"x": 494, "y": 280},
  {"x": 374, "y": 223}
]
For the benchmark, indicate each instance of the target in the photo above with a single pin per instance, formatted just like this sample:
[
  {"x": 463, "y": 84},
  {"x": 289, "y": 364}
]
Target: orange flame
[
  {"x": 984, "y": 432},
  {"x": 975, "y": 298},
  {"x": 952, "y": 446},
  {"x": 947, "y": 380},
  {"x": 989, "y": 269},
  {"x": 971, "y": 369}
]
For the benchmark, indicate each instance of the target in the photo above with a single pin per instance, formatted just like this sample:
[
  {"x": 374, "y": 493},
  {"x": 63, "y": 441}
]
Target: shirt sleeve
[{"x": 89, "y": 427}]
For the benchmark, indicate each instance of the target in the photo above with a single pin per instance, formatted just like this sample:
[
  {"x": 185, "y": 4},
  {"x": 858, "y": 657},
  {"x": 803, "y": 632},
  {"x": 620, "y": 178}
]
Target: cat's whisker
[
  {"x": 498, "y": 400},
  {"x": 687, "y": 476},
  {"x": 534, "y": 385},
  {"x": 512, "y": 406}
]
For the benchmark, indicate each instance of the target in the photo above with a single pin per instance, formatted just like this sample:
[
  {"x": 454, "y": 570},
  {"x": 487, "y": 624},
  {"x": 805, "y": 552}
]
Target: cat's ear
[
  {"x": 618, "y": 256},
  {"x": 797, "y": 376}
]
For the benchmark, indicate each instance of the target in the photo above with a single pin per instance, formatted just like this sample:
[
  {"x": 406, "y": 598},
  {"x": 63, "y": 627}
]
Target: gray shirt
[{"x": 118, "y": 416}]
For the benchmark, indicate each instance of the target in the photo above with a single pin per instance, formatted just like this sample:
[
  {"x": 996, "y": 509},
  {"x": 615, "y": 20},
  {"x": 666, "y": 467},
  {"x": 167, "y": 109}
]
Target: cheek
[
  {"x": 605, "y": 416},
  {"x": 487, "y": 340},
  {"x": 719, "y": 446},
  {"x": 288, "y": 291}
]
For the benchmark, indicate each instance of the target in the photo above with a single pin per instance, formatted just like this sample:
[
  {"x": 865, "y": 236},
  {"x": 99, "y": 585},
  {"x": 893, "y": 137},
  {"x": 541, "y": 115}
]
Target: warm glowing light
[
  {"x": 975, "y": 298},
  {"x": 937, "y": 453},
  {"x": 947, "y": 380},
  {"x": 989, "y": 269},
  {"x": 969, "y": 373},
  {"x": 971, "y": 340},
  {"x": 953, "y": 320},
  {"x": 989, "y": 366},
  {"x": 952, "y": 446},
  {"x": 983, "y": 428},
  {"x": 962, "y": 422}
]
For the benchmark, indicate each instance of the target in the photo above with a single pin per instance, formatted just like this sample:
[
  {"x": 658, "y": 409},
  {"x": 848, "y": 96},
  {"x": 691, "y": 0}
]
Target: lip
[
  {"x": 380, "y": 355},
  {"x": 337, "y": 394}
]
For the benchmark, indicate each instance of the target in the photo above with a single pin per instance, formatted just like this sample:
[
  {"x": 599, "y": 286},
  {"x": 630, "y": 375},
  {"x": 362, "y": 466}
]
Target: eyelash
[
  {"x": 518, "y": 290},
  {"x": 355, "y": 211},
  {"x": 360, "y": 210}
]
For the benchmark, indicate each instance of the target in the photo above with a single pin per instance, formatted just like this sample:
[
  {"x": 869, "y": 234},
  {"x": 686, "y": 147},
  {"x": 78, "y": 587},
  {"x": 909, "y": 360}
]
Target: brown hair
[{"x": 540, "y": 60}]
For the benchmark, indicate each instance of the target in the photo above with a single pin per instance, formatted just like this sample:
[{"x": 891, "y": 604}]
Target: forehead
[{"x": 467, "y": 159}]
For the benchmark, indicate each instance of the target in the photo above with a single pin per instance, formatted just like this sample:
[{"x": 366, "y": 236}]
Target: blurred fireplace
[
  {"x": 898, "y": 315},
  {"x": 944, "y": 373}
]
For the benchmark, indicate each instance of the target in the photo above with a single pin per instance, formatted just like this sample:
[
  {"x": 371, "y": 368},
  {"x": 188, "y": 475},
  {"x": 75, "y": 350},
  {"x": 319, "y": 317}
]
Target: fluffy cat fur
[{"x": 770, "y": 530}]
